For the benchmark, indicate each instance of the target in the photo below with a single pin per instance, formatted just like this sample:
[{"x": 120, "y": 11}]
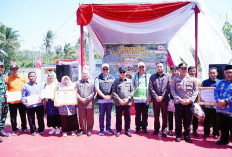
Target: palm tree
[
  {"x": 69, "y": 52},
  {"x": 48, "y": 40},
  {"x": 9, "y": 43}
]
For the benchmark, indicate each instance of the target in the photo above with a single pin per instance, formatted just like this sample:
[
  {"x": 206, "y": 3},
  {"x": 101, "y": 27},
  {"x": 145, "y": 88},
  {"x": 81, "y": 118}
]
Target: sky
[{"x": 33, "y": 18}]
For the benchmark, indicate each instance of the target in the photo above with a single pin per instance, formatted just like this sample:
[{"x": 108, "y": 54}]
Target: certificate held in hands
[
  {"x": 65, "y": 97},
  {"x": 14, "y": 96}
]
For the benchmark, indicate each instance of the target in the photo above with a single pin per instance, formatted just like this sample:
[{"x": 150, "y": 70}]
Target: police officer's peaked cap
[
  {"x": 122, "y": 68},
  {"x": 181, "y": 65},
  {"x": 1, "y": 63}
]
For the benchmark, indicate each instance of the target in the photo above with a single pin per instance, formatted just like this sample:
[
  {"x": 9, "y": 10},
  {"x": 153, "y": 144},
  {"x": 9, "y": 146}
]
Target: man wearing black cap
[
  {"x": 123, "y": 91},
  {"x": 15, "y": 83},
  {"x": 3, "y": 103},
  {"x": 184, "y": 90},
  {"x": 223, "y": 96},
  {"x": 174, "y": 72}
]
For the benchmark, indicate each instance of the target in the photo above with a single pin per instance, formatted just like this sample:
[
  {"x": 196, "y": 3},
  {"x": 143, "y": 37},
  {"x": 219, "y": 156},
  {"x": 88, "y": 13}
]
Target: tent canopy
[{"x": 169, "y": 22}]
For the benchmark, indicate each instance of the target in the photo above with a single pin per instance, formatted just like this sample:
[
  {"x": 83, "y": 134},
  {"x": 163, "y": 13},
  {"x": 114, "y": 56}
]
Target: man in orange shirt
[{"x": 15, "y": 82}]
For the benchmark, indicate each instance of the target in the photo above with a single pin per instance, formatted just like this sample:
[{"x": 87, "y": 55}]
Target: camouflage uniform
[{"x": 3, "y": 103}]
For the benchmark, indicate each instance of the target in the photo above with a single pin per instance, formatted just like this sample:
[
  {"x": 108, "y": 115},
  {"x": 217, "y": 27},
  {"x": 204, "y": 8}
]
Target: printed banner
[{"x": 130, "y": 55}]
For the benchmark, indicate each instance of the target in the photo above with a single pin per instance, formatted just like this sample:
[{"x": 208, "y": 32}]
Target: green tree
[
  {"x": 9, "y": 44},
  {"x": 48, "y": 40},
  {"x": 69, "y": 52},
  {"x": 227, "y": 30}
]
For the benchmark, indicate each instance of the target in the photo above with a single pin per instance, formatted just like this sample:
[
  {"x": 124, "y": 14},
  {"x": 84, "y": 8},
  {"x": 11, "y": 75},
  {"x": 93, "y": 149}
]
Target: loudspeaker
[
  {"x": 220, "y": 69},
  {"x": 62, "y": 70}
]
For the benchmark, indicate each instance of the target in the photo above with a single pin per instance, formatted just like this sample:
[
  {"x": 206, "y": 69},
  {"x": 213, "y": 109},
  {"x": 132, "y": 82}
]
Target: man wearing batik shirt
[{"x": 223, "y": 96}]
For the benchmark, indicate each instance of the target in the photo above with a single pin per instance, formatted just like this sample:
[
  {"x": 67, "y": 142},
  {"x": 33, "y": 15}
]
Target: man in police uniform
[
  {"x": 103, "y": 87},
  {"x": 123, "y": 91},
  {"x": 223, "y": 96},
  {"x": 3, "y": 103},
  {"x": 184, "y": 90}
]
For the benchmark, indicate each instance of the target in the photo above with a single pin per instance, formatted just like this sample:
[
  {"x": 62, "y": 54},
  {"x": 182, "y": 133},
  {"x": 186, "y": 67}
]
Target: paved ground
[{"x": 105, "y": 146}]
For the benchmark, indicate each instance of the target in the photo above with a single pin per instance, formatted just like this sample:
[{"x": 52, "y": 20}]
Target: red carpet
[{"x": 110, "y": 146}]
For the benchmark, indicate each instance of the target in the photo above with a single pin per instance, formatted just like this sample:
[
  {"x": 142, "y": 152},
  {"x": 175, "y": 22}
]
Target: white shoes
[
  {"x": 57, "y": 132},
  {"x": 52, "y": 131},
  {"x": 73, "y": 133},
  {"x": 64, "y": 134}
]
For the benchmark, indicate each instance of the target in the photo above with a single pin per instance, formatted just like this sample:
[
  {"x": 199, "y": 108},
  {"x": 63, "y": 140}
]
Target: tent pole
[
  {"x": 82, "y": 48},
  {"x": 196, "y": 9}
]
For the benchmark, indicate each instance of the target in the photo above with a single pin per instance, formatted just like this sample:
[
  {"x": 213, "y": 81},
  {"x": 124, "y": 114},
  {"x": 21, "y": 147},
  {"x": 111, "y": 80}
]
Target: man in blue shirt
[
  {"x": 30, "y": 98},
  {"x": 210, "y": 111},
  {"x": 223, "y": 96}
]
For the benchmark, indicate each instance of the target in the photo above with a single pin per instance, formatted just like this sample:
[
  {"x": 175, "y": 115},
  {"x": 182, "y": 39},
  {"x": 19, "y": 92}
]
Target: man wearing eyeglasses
[
  {"x": 123, "y": 91},
  {"x": 223, "y": 96},
  {"x": 103, "y": 87},
  {"x": 141, "y": 98},
  {"x": 159, "y": 90},
  {"x": 184, "y": 90}
]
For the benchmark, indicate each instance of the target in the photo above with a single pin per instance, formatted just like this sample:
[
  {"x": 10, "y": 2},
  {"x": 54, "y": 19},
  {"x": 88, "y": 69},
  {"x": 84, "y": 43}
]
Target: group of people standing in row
[{"x": 162, "y": 89}]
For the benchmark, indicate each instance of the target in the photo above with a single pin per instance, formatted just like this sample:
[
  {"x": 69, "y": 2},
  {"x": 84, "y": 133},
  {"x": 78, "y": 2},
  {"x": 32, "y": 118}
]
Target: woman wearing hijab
[
  {"x": 68, "y": 114},
  {"x": 53, "y": 117}
]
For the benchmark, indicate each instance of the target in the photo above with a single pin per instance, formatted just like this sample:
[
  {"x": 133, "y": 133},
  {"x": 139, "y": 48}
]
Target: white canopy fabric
[{"x": 177, "y": 29}]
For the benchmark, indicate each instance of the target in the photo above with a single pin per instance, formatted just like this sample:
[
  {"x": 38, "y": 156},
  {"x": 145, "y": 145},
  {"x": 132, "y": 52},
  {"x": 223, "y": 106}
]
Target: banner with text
[{"x": 130, "y": 55}]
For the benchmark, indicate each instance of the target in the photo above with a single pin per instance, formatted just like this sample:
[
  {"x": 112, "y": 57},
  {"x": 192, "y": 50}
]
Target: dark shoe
[
  {"x": 188, "y": 139},
  {"x": 137, "y": 131},
  {"x": 33, "y": 134},
  {"x": 216, "y": 136},
  {"x": 1, "y": 140},
  {"x": 80, "y": 133},
  {"x": 3, "y": 133},
  {"x": 89, "y": 133},
  {"x": 170, "y": 132},
  {"x": 178, "y": 139},
  {"x": 205, "y": 136},
  {"x": 220, "y": 142},
  {"x": 128, "y": 134},
  {"x": 15, "y": 133},
  {"x": 195, "y": 133},
  {"x": 25, "y": 131},
  {"x": 118, "y": 134},
  {"x": 41, "y": 133},
  {"x": 155, "y": 132},
  {"x": 164, "y": 134},
  {"x": 145, "y": 131}
]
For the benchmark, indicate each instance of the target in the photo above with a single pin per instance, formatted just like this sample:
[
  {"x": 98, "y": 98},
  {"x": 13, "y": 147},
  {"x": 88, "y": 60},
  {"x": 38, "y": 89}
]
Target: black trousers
[
  {"x": 210, "y": 118},
  {"x": 195, "y": 123},
  {"x": 39, "y": 111},
  {"x": 183, "y": 113},
  {"x": 170, "y": 121},
  {"x": 163, "y": 106},
  {"x": 141, "y": 116},
  {"x": 127, "y": 117},
  {"x": 225, "y": 126},
  {"x": 13, "y": 116}
]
